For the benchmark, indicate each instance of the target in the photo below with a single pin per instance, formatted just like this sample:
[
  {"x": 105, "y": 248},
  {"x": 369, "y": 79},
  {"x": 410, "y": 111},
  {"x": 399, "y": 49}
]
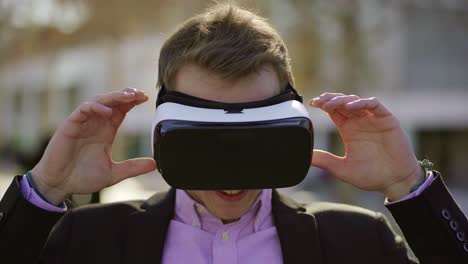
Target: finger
[
  {"x": 133, "y": 90},
  {"x": 127, "y": 95},
  {"x": 344, "y": 113},
  {"x": 101, "y": 109},
  {"x": 338, "y": 102},
  {"x": 323, "y": 98},
  {"x": 336, "y": 105},
  {"x": 131, "y": 168},
  {"x": 370, "y": 104},
  {"x": 327, "y": 161},
  {"x": 332, "y": 103},
  {"x": 140, "y": 97},
  {"x": 125, "y": 108},
  {"x": 82, "y": 112},
  {"x": 139, "y": 94},
  {"x": 338, "y": 117},
  {"x": 114, "y": 98}
]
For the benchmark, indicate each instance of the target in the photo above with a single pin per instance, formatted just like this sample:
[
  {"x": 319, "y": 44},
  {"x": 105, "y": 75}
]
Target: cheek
[
  {"x": 206, "y": 198},
  {"x": 253, "y": 194},
  {"x": 197, "y": 195}
]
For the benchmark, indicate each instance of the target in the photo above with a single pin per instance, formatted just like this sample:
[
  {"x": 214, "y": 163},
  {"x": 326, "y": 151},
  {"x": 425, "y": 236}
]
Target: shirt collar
[{"x": 191, "y": 212}]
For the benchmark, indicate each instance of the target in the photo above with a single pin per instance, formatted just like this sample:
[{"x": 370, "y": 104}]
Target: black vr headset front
[{"x": 200, "y": 144}]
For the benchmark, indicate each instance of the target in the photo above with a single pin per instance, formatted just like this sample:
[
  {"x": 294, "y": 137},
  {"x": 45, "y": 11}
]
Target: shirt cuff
[
  {"x": 427, "y": 183},
  {"x": 31, "y": 196}
]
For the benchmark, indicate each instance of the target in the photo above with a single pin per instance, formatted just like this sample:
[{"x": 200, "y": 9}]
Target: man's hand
[
  {"x": 379, "y": 156},
  {"x": 78, "y": 158}
]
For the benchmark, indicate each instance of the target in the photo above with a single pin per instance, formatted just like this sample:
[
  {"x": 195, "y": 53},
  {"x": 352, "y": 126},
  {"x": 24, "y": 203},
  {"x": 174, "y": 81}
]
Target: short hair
[{"x": 228, "y": 41}]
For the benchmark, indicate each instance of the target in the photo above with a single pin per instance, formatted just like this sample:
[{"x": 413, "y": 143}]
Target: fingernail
[{"x": 314, "y": 100}]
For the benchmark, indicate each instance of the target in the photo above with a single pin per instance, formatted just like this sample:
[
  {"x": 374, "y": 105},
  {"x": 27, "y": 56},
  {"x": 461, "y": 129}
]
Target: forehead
[{"x": 196, "y": 81}]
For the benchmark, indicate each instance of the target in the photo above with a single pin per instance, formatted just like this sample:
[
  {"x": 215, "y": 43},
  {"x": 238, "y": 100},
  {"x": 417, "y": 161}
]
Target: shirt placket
[{"x": 225, "y": 246}]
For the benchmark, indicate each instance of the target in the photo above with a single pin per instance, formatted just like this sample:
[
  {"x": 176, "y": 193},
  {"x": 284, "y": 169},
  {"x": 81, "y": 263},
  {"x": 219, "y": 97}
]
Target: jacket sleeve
[
  {"x": 24, "y": 228},
  {"x": 433, "y": 224}
]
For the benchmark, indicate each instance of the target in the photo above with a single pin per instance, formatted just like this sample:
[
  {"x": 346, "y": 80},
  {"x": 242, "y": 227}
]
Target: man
[{"x": 228, "y": 55}]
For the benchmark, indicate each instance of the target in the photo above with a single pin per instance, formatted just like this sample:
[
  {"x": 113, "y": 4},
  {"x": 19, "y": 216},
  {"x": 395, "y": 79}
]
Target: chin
[
  {"x": 231, "y": 210},
  {"x": 223, "y": 209},
  {"x": 230, "y": 215}
]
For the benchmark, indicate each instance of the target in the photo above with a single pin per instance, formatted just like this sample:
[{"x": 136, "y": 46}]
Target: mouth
[{"x": 231, "y": 195}]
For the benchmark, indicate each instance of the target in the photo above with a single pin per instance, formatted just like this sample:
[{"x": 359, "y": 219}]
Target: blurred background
[{"x": 411, "y": 54}]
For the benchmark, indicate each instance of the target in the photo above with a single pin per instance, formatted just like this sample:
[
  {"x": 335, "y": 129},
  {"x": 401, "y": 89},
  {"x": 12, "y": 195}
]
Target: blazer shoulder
[
  {"x": 117, "y": 209},
  {"x": 332, "y": 212},
  {"x": 328, "y": 209},
  {"x": 124, "y": 207},
  {"x": 369, "y": 231},
  {"x": 335, "y": 218},
  {"x": 97, "y": 230}
]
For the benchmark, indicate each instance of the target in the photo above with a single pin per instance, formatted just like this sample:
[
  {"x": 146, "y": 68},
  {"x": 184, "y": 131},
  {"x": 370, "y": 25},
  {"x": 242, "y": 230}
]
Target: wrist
[
  {"x": 399, "y": 190},
  {"x": 51, "y": 195}
]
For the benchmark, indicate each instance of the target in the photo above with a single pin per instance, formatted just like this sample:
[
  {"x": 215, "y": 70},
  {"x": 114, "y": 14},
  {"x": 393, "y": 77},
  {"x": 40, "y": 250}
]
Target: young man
[{"x": 228, "y": 55}]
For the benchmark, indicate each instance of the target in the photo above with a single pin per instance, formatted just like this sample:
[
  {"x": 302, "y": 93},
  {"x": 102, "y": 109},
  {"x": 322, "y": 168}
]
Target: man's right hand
[{"x": 78, "y": 158}]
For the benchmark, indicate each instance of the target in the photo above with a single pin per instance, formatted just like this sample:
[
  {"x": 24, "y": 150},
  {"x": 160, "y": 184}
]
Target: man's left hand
[{"x": 378, "y": 153}]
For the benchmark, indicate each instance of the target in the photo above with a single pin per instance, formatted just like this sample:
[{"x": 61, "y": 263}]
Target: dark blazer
[{"x": 319, "y": 233}]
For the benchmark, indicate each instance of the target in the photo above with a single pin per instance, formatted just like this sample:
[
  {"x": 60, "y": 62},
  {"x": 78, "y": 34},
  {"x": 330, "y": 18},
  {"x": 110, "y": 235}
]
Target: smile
[{"x": 231, "y": 195}]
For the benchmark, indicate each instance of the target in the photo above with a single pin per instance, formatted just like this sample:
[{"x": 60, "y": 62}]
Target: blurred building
[
  {"x": 412, "y": 55},
  {"x": 421, "y": 64}
]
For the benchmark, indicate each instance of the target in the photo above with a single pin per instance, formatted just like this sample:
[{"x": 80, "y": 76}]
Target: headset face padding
[{"x": 205, "y": 145}]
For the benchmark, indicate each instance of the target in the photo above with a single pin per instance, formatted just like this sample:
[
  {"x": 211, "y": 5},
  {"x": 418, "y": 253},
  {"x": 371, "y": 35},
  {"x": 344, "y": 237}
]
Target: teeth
[{"x": 231, "y": 192}]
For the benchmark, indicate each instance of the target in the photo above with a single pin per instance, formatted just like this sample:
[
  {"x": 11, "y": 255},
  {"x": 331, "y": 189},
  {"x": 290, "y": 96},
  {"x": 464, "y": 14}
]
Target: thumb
[
  {"x": 130, "y": 168},
  {"x": 327, "y": 161}
]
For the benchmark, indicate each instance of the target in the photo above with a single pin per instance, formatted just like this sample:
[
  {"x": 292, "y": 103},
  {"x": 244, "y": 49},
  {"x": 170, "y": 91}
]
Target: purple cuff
[
  {"x": 31, "y": 196},
  {"x": 429, "y": 180}
]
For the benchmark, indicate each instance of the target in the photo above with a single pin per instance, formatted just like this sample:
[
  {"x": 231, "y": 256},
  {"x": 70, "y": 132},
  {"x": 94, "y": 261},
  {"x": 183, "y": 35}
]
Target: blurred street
[{"x": 5, "y": 180}]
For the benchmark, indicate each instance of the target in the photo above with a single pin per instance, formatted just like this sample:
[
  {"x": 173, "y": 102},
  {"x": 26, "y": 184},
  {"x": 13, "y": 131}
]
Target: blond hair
[{"x": 228, "y": 41}]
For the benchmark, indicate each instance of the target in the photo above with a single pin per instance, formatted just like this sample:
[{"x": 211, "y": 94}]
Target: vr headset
[{"x": 200, "y": 144}]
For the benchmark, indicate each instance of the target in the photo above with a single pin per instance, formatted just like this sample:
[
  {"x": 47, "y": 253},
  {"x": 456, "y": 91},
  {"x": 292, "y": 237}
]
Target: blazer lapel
[
  {"x": 297, "y": 231},
  {"x": 148, "y": 228}
]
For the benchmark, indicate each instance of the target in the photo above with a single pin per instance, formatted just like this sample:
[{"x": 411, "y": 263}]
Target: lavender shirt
[{"x": 205, "y": 239}]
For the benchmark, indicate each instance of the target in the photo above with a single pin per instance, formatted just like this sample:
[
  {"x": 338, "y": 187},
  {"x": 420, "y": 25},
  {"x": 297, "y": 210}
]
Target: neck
[{"x": 228, "y": 221}]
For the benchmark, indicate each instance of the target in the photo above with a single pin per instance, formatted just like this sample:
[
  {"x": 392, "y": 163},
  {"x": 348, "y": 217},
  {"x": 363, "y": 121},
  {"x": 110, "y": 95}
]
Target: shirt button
[
  {"x": 461, "y": 236},
  {"x": 453, "y": 225},
  {"x": 446, "y": 214},
  {"x": 1, "y": 216},
  {"x": 465, "y": 247},
  {"x": 199, "y": 209},
  {"x": 225, "y": 235},
  {"x": 195, "y": 223}
]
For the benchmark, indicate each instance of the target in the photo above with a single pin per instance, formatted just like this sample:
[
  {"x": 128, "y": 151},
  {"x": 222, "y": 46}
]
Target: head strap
[{"x": 289, "y": 93}]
